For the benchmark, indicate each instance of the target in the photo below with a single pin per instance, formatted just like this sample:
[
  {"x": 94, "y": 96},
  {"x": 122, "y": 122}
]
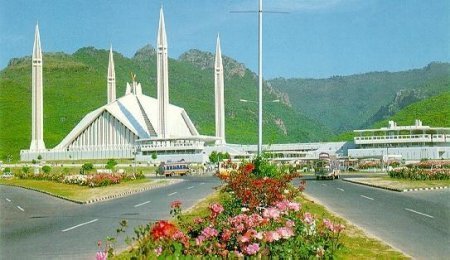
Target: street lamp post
[
  {"x": 259, "y": 102},
  {"x": 260, "y": 12}
]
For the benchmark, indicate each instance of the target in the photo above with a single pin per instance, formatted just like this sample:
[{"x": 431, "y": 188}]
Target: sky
[{"x": 301, "y": 38}]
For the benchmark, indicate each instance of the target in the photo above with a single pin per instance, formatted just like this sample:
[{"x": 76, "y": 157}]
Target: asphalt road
[
  {"x": 37, "y": 226},
  {"x": 417, "y": 223}
]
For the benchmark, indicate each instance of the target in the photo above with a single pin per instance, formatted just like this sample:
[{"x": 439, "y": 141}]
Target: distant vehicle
[
  {"x": 174, "y": 168},
  {"x": 326, "y": 167}
]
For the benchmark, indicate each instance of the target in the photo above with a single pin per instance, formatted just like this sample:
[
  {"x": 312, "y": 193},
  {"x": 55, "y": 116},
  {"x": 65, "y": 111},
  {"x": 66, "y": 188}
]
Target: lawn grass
[
  {"x": 78, "y": 193},
  {"x": 356, "y": 244},
  {"x": 401, "y": 184}
]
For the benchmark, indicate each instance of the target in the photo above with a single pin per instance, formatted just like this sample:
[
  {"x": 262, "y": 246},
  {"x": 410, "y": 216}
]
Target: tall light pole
[{"x": 260, "y": 113}]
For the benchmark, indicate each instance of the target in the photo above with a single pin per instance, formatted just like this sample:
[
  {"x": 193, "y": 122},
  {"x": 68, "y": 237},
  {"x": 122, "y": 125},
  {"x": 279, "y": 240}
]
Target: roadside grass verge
[
  {"x": 81, "y": 194},
  {"x": 401, "y": 184},
  {"x": 356, "y": 244}
]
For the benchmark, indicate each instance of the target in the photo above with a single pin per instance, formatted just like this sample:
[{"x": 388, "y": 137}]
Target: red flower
[
  {"x": 248, "y": 168},
  {"x": 163, "y": 229}
]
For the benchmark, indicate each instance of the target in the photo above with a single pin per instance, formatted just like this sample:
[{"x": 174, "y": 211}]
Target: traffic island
[{"x": 401, "y": 185}]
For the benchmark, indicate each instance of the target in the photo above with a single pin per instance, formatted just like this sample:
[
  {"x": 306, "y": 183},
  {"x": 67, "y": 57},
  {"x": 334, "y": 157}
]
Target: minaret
[
  {"x": 37, "y": 129},
  {"x": 111, "y": 86},
  {"x": 219, "y": 95},
  {"x": 162, "y": 77}
]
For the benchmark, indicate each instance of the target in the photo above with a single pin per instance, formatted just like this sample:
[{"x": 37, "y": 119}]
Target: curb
[
  {"x": 372, "y": 185},
  {"x": 423, "y": 189},
  {"x": 115, "y": 196},
  {"x": 394, "y": 189}
]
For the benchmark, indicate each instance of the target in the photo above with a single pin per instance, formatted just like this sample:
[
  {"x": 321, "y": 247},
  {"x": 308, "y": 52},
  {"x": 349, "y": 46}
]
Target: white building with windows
[{"x": 411, "y": 143}]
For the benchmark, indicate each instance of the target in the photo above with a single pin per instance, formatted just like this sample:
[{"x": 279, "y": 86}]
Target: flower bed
[
  {"x": 91, "y": 180},
  {"x": 256, "y": 216},
  {"x": 415, "y": 173}
]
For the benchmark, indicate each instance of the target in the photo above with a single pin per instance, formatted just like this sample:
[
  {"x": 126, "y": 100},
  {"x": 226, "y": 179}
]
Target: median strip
[
  {"x": 420, "y": 213},
  {"x": 141, "y": 204},
  {"x": 369, "y": 198},
  {"x": 173, "y": 193},
  {"x": 19, "y": 207},
  {"x": 79, "y": 225}
]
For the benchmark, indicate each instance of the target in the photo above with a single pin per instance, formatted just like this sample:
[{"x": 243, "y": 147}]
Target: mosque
[
  {"x": 131, "y": 126},
  {"x": 136, "y": 126}
]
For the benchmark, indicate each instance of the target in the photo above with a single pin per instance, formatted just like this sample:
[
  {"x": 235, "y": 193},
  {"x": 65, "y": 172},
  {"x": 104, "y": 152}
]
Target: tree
[
  {"x": 86, "y": 167},
  {"x": 39, "y": 157},
  {"x": 213, "y": 157},
  {"x": 111, "y": 164},
  {"x": 26, "y": 169},
  {"x": 154, "y": 155}
]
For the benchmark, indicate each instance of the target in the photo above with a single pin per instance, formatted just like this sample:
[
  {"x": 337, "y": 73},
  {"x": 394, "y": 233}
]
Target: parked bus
[
  {"x": 174, "y": 168},
  {"x": 326, "y": 167}
]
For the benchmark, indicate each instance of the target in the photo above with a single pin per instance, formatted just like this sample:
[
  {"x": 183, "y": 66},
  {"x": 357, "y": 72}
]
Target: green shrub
[
  {"x": 46, "y": 169},
  {"x": 86, "y": 167}
]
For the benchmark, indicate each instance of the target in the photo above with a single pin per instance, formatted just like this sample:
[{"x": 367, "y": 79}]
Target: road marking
[
  {"x": 188, "y": 188},
  {"x": 202, "y": 183},
  {"x": 141, "y": 204},
  {"x": 340, "y": 189},
  {"x": 173, "y": 193},
  {"x": 19, "y": 207},
  {"x": 8, "y": 200},
  {"x": 369, "y": 198},
  {"x": 79, "y": 225},
  {"x": 420, "y": 213},
  {"x": 324, "y": 184}
]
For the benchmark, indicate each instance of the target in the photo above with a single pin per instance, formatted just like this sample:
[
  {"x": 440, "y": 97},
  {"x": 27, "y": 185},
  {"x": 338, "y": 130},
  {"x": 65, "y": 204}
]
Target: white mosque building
[
  {"x": 138, "y": 126},
  {"x": 132, "y": 126}
]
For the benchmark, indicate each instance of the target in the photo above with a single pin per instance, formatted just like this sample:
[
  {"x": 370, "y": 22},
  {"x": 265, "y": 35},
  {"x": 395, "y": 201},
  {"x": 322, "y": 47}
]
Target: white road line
[
  {"x": 8, "y": 200},
  {"x": 324, "y": 184},
  {"x": 141, "y": 204},
  {"x": 188, "y": 188},
  {"x": 340, "y": 189},
  {"x": 202, "y": 183},
  {"x": 420, "y": 213},
  {"x": 173, "y": 193},
  {"x": 79, "y": 225},
  {"x": 19, "y": 207},
  {"x": 369, "y": 198}
]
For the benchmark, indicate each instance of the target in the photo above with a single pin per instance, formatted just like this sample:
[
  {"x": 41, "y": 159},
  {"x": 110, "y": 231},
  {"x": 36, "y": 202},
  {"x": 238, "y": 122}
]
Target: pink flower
[
  {"x": 101, "y": 255},
  {"x": 290, "y": 223},
  {"x": 243, "y": 239},
  {"x": 273, "y": 213},
  {"x": 216, "y": 209},
  {"x": 271, "y": 236},
  {"x": 251, "y": 249},
  {"x": 199, "y": 240},
  {"x": 285, "y": 232},
  {"x": 258, "y": 235},
  {"x": 158, "y": 251},
  {"x": 282, "y": 205},
  {"x": 294, "y": 206},
  {"x": 308, "y": 218},
  {"x": 209, "y": 232}
]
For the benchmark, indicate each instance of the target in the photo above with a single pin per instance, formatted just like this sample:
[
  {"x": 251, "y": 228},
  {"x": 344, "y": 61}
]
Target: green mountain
[
  {"x": 344, "y": 103},
  {"x": 432, "y": 111},
  {"x": 76, "y": 84}
]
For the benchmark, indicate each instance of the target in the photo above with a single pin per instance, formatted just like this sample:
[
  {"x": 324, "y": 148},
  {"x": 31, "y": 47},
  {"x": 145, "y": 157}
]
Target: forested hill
[
  {"x": 76, "y": 84},
  {"x": 344, "y": 103}
]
